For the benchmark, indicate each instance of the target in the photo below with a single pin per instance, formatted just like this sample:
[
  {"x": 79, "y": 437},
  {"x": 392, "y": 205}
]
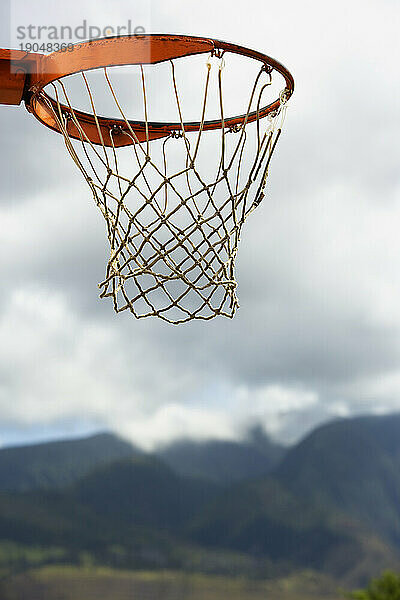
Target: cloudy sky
[{"x": 318, "y": 332}]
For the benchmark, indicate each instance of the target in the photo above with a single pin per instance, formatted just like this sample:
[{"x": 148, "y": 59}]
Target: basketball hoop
[{"x": 174, "y": 193}]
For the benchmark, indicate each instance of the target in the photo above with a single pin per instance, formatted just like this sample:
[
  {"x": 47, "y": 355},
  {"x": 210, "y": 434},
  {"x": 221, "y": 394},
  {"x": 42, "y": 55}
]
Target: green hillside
[
  {"x": 64, "y": 531},
  {"x": 351, "y": 466},
  {"x": 264, "y": 519},
  {"x": 143, "y": 491}
]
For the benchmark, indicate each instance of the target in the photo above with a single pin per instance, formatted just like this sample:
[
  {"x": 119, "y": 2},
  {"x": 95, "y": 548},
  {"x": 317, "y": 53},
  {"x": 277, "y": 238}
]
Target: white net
[{"x": 175, "y": 207}]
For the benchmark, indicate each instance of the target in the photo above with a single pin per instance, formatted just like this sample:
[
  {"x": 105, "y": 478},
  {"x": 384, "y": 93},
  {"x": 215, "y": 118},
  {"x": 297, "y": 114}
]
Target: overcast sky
[{"x": 318, "y": 332}]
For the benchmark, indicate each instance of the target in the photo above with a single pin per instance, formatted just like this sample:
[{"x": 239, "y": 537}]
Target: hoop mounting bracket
[{"x": 15, "y": 66}]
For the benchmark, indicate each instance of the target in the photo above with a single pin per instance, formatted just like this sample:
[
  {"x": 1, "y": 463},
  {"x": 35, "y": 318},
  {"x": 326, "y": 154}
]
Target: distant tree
[{"x": 386, "y": 587}]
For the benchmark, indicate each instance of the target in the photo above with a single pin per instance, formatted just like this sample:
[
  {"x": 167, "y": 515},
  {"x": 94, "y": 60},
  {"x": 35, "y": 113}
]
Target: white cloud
[
  {"x": 174, "y": 421},
  {"x": 49, "y": 362},
  {"x": 271, "y": 405}
]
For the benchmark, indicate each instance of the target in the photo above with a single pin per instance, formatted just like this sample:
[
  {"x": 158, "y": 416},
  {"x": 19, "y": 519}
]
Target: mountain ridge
[
  {"x": 331, "y": 503},
  {"x": 56, "y": 464}
]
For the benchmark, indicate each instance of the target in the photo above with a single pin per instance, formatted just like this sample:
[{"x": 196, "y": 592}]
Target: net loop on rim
[{"x": 174, "y": 232}]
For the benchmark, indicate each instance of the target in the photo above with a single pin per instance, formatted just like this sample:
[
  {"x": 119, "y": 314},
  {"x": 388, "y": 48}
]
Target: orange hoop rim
[{"x": 132, "y": 50}]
